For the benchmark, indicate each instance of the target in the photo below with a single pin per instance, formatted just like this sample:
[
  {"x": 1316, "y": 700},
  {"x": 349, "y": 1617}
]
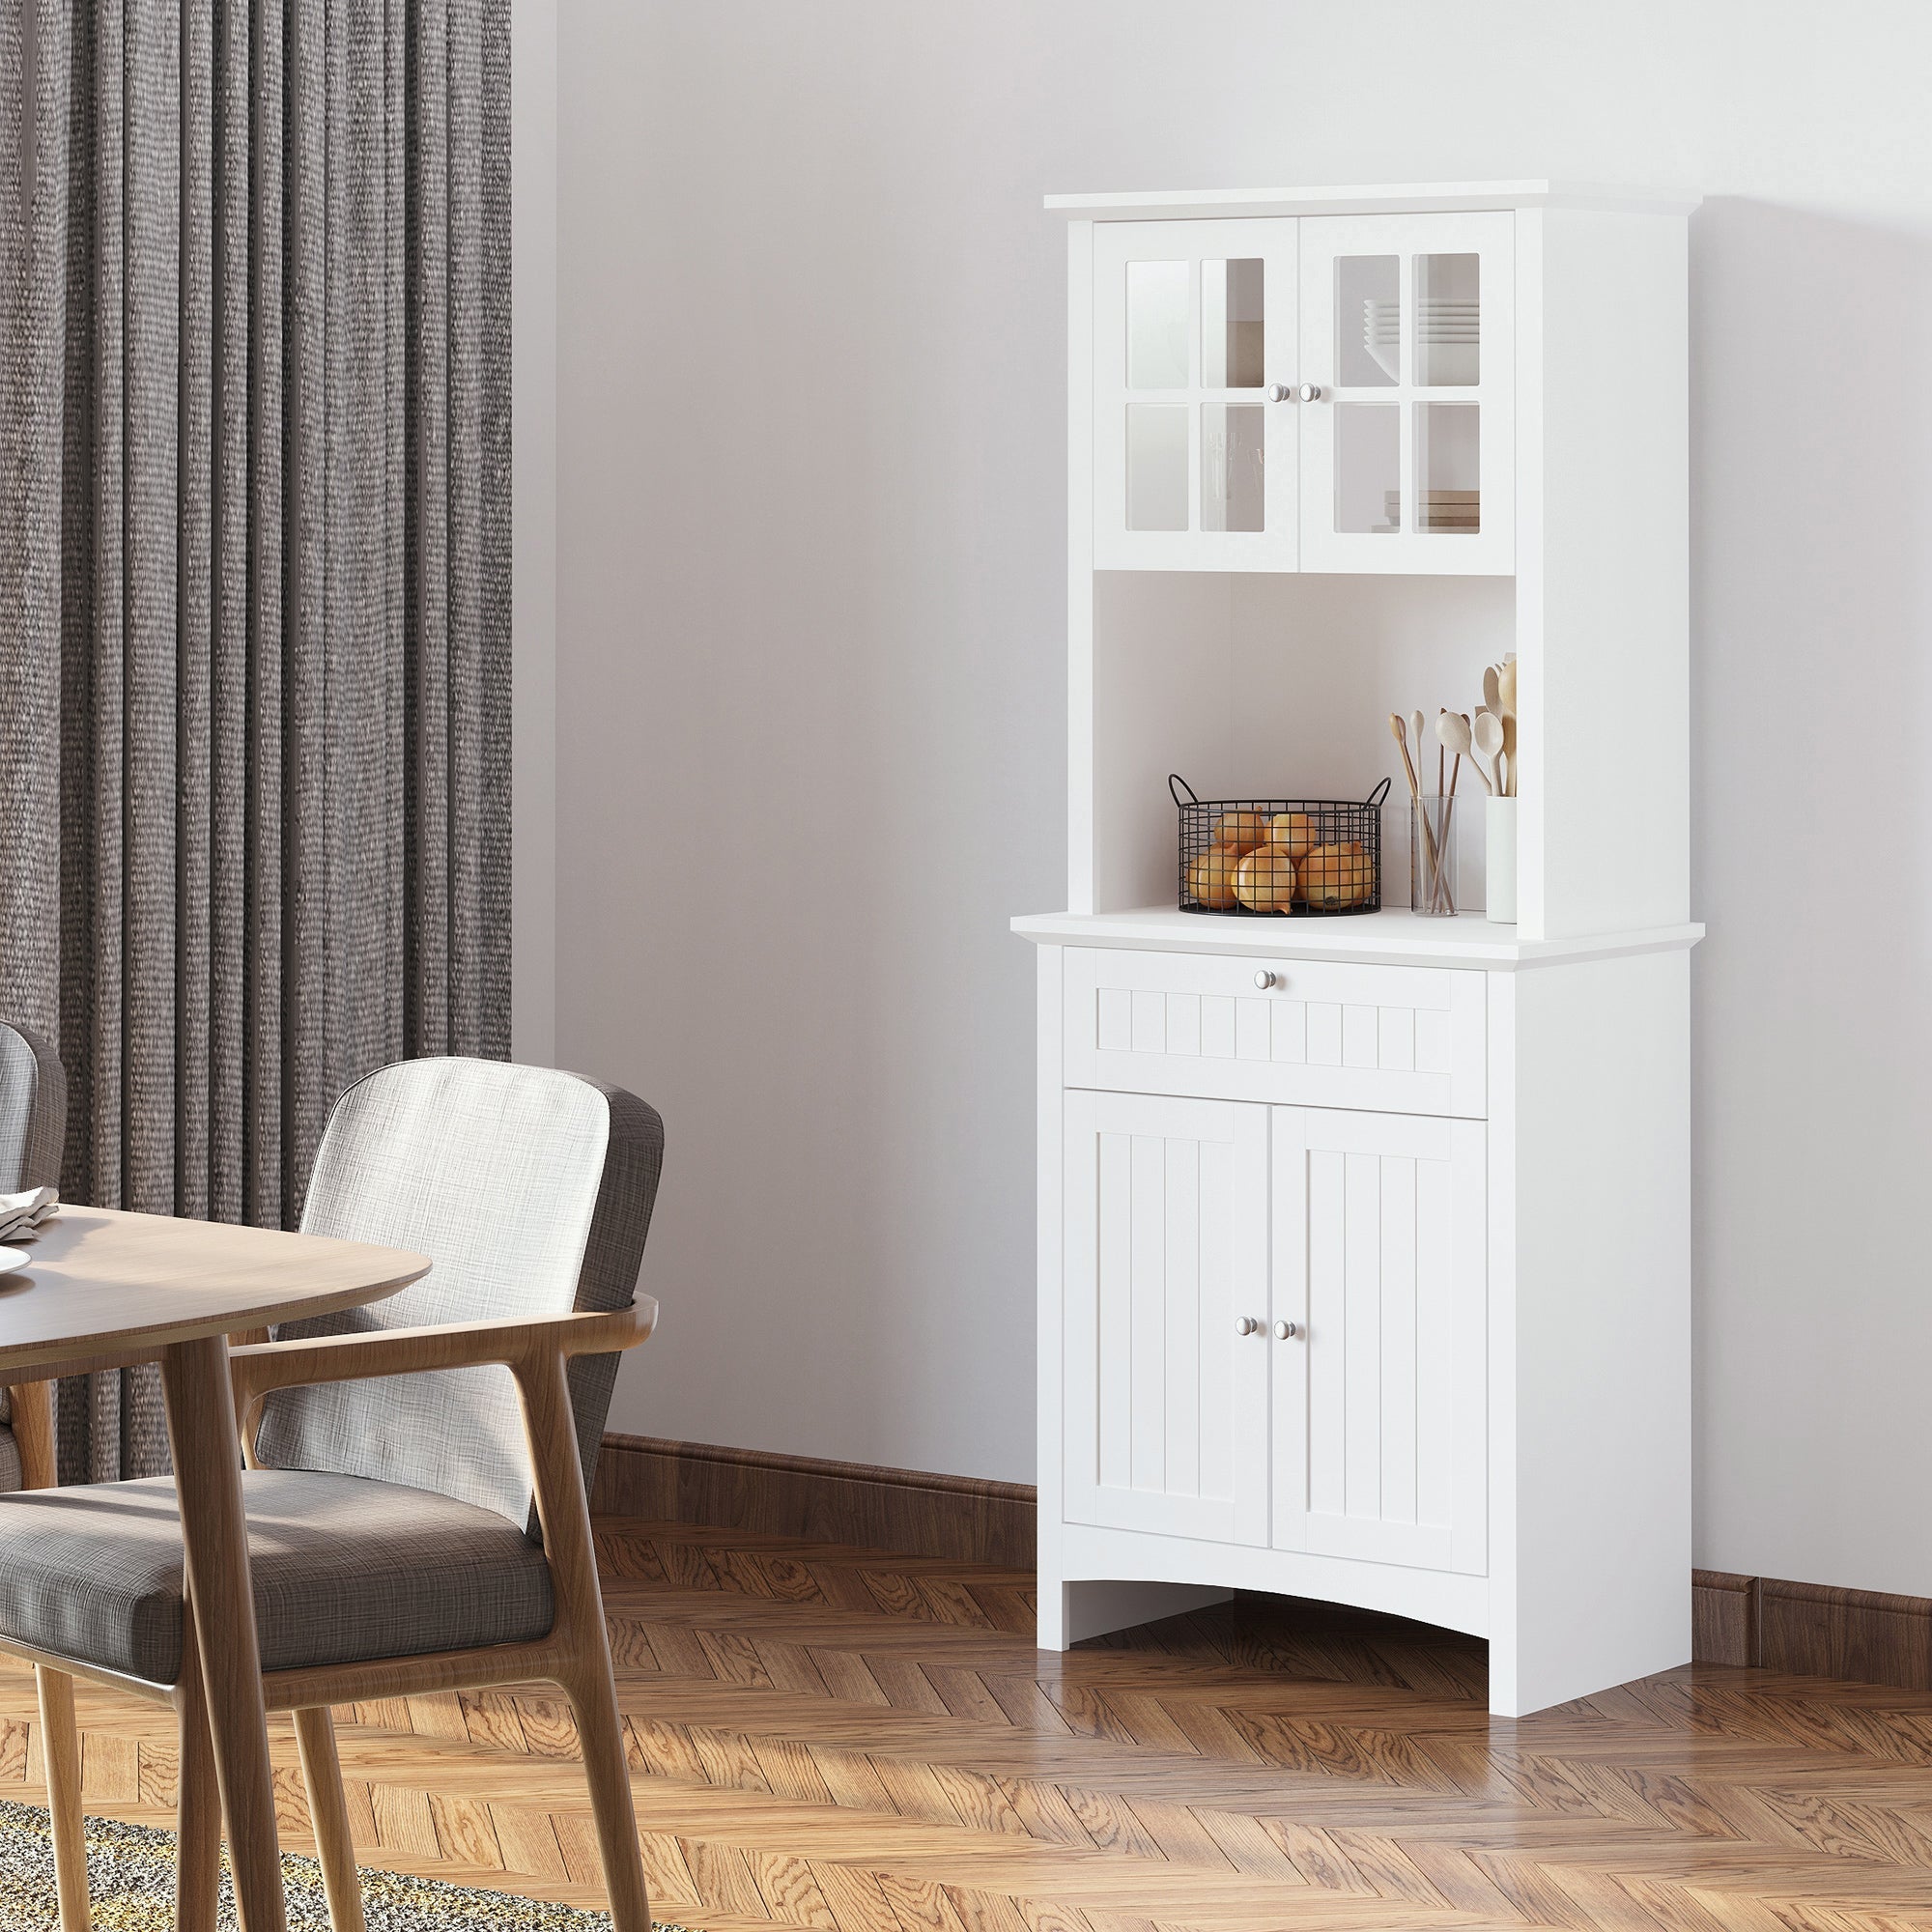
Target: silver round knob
[
  {"x": 1309, "y": 392},
  {"x": 1246, "y": 1325},
  {"x": 1264, "y": 979},
  {"x": 1281, "y": 393},
  {"x": 1286, "y": 1331}
]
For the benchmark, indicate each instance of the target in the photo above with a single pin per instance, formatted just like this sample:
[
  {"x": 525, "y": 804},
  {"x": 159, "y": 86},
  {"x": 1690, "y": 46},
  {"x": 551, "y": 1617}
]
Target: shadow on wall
[{"x": 1812, "y": 857}]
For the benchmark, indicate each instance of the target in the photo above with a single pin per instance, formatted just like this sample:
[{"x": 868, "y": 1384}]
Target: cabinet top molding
[{"x": 1182, "y": 204}]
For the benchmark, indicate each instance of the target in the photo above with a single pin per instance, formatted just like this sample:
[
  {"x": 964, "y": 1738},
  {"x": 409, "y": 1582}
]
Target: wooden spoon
[
  {"x": 1508, "y": 749},
  {"x": 1493, "y": 688},
  {"x": 1399, "y": 733},
  {"x": 1442, "y": 751},
  {"x": 1487, "y": 735},
  {"x": 1453, "y": 728},
  {"x": 1506, "y": 688}
]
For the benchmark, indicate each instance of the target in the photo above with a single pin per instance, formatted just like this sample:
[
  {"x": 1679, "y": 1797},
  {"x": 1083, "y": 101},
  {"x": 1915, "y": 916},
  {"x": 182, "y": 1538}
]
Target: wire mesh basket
[{"x": 1270, "y": 857}]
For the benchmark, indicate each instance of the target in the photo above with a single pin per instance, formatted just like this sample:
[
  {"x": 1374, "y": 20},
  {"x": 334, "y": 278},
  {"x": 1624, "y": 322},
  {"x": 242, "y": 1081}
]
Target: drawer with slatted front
[{"x": 1405, "y": 1039}]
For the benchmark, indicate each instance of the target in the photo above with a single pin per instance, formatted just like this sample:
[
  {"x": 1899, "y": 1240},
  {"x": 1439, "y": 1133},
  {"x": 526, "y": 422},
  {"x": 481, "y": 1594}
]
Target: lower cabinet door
[
  {"x": 1380, "y": 1397},
  {"x": 1166, "y": 1401}
]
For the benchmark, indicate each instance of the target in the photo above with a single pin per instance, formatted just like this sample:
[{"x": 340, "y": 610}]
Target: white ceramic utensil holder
[{"x": 1499, "y": 860}]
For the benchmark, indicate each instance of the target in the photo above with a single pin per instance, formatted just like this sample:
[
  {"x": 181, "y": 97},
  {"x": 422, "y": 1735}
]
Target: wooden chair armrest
[{"x": 263, "y": 1366}]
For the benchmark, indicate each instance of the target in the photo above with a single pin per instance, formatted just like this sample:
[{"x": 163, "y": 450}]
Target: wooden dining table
[{"x": 105, "y": 1290}]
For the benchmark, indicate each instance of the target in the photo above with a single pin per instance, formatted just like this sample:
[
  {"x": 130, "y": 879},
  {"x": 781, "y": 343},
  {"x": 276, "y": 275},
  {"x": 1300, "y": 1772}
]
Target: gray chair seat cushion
[
  {"x": 10, "y": 1473},
  {"x": 346, "y": 1569}
]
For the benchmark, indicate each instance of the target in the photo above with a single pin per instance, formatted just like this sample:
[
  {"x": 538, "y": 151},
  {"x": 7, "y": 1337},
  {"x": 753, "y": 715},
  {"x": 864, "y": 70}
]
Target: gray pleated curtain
[{"x": 254, "y": 589}]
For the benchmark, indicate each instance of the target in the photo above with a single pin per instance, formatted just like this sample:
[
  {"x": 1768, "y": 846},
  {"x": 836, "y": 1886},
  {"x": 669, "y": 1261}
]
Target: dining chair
[
  {"x": 32, "y": 1130},
  {"x": 415, "y": 1479}
]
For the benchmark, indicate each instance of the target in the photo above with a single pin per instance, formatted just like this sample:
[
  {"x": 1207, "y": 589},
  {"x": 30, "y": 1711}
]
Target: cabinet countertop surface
[{"x": 1393, "y": 936}]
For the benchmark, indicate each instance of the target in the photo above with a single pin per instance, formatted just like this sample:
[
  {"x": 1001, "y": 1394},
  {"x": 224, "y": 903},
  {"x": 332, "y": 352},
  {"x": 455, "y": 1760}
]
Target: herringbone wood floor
[{"x": 834, "y": 1737}]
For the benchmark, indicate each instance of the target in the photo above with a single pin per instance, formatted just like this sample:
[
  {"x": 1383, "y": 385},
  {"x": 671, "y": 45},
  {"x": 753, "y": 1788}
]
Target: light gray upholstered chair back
[
  {"x": 33, "y": 1111},
  {"x": 530, "y": 1191}
]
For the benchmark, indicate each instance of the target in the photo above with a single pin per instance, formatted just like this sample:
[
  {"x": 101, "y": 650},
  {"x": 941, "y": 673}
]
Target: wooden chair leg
[
  {"x": 215, "y": 1546},
  {"x": 550, "y": 1429},
  {"x": 31, "y": 1407},
  {"x": 328, "y": 1815},
  {"x": 59, "y": 1747},
  {"x": 198, "y": 1808},
  {"x": 600, "y": 1731}
]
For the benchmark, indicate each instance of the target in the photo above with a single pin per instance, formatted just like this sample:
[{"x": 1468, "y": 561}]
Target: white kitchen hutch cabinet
[{"x": 1364, "y": 1242}]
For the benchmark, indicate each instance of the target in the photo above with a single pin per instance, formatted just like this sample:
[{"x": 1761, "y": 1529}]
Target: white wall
[{"x": 810, "y": 689}]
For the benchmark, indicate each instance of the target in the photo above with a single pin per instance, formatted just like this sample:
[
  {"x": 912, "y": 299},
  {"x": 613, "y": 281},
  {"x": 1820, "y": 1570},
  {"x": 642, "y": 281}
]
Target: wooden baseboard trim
[
  {"x": 1812, "y": 1630},
  {"x": 961, "y": 1517},
  {"x": 1808, "y": 1630},
  {"x": 1723, "y": 1618}
]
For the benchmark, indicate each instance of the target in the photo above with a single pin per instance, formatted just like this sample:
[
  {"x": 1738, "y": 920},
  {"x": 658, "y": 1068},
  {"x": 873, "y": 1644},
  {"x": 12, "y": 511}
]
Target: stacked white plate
[
  {"x": 1445, "y": 313},
  {"x": 1442, "y": 323}
]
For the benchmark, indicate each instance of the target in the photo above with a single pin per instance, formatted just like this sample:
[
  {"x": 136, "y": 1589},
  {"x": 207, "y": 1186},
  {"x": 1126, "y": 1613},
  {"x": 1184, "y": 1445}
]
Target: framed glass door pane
[
  {"x": 1233, "y": 324},
  {"x": 1448, "y": 320},
  {"x": 1234, "y": 486},
  {"x": 1158, "y": 325},
  {"x": 1157, "y": 466},
  {"x": 1449, "y": 468},
  {"x": 1368, "y": 322},
  {"x": 1368, "y": 468}
]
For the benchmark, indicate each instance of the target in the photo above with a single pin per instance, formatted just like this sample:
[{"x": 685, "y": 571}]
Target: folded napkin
[{"x": 21, "y": 1215}]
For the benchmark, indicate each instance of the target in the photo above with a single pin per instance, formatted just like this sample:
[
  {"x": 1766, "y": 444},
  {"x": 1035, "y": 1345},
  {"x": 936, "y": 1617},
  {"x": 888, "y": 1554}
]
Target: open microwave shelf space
[{"x": 1364, "y": 1242}]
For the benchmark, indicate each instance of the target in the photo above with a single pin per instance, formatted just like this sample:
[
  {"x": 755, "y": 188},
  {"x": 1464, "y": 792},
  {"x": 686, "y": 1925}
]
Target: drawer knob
[
  {"x": 1247, "y": 1325},
  {"x": 1264, "y": 979},
  {"x": 1286, "y": 1331}
]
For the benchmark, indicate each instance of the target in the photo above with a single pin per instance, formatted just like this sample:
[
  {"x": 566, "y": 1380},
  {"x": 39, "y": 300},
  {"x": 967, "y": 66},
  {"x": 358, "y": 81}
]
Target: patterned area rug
[{"x": 130, "y": 1869}]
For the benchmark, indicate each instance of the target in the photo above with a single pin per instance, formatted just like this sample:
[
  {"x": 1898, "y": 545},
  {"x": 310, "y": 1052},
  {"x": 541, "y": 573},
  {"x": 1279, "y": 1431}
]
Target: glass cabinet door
[
  {"x": 1407, "y": 425},
  {"x": 1195, "y": 328}
]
